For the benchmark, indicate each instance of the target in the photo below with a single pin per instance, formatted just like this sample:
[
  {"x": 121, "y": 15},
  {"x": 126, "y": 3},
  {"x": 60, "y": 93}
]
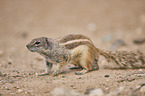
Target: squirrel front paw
[
  {"x": 81, "y": 72},
  {"x": 55, "y": 73}
]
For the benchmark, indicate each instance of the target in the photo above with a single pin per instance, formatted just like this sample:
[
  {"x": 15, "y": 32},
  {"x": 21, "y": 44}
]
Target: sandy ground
[{"x": 102, "y": 20}]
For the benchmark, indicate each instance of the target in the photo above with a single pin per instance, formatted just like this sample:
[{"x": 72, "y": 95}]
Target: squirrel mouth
[{"x": 30, "y": 48}]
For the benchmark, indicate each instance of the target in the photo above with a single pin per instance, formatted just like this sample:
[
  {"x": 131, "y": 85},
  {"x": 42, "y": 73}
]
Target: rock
[
  {"x": 24, "y": 34},
  {"x": 39, "y": 58},
  {"x": 64, "y": 92},
  {"x": 140, "y": 70},
  {"x": 29, "y": 91},
  {"x": 121, "y": 88},
  {"x": 89, "y": 90},
  {"x": 71, "y": 85},
  {"x": 20, "y": 90},
  {"x": 9, "y": 60},
  {"x": 97, "y": 92},
  {"x": 116, "y": 93},
  {"x": 36, "y": 74}
]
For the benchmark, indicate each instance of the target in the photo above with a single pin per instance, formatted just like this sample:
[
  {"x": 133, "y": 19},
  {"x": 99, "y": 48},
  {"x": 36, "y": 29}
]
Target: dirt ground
[{"x": 104, "y": 21}]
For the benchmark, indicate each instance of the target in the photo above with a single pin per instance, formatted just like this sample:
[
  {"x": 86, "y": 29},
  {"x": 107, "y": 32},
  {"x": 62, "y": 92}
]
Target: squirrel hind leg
[{"x": 86, "y": 64}]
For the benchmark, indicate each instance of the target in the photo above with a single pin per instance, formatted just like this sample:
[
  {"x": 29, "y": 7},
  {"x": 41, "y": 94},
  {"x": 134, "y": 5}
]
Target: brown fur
[
  {"x": 71, "y": 37},
  {"x": 80, "y": 51}
]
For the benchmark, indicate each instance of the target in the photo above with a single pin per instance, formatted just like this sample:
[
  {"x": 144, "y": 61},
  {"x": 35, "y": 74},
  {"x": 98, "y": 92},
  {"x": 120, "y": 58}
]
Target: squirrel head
[{"x": 39, "y": 44}]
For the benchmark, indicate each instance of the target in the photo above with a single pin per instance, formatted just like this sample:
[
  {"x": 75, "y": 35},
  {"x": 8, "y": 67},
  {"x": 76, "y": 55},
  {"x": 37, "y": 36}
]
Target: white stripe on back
[{"x": 73, "y": 41}]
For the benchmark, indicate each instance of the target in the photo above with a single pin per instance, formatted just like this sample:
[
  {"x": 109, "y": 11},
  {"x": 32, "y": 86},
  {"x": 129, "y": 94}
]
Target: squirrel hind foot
[{"x": 82, "y": 72}]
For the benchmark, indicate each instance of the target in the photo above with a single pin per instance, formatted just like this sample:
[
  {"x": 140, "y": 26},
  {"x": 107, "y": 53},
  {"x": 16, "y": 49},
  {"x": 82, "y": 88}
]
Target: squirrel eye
[{"x": 37, "y": 42}]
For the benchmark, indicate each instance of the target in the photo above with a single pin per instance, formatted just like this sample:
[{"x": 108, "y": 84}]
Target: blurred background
[{"x": 117, "y": 22}]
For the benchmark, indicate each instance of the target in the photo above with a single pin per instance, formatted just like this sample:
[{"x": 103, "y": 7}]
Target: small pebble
[
  {"x": 63, "y": 76},
  {"x": 36, "y": 74},
  {"x": 80, "y": 78},
  {"x": 24, "y": 34},
  {"x": 140, "y": 70},
  {"x": 130, "y": 79},
  {"x": 17, "y": 76},
  {"x": 10, "y": 93},
  {"x": 71, "y": 85},
  {"x": 96, "y": 92},
  {"x": 20, "y": 90},
  {"x": 16, "y": 87},
  {"x": 64, "y": 92},
  {"x": 89, "y": 90},
  {"x": 106, "y": 75},
  {"x": 30, "y": 91},
  {"x": 11, "y": 81},
  {"x": 4, "y": 74},
  {"x": 9, "y": 61},
  {"x": 107, "y": 80},
  {"x": 39, "y": 58}
]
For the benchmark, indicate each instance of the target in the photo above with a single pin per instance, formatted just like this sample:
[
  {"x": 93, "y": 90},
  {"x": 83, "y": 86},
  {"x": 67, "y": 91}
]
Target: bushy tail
[{"x": 125, "y": 59}]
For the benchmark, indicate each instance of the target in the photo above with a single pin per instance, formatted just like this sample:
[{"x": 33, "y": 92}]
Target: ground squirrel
[{"x": 80, "y": 51}]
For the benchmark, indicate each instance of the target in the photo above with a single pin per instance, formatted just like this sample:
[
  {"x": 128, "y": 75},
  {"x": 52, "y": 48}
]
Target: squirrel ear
[{"x": 47, "y": 43}]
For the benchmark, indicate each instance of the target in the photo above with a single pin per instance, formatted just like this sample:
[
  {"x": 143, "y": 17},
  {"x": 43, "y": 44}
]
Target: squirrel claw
[
  {"x": 79, "y": 73},
  {"x": 55, "y": 73}
]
